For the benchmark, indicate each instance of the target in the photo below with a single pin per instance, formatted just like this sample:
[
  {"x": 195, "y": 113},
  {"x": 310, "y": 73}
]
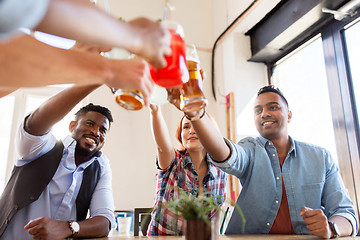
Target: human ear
[
  {"x": 72, "y": 125},
  {"x": 289, "y": 116}
]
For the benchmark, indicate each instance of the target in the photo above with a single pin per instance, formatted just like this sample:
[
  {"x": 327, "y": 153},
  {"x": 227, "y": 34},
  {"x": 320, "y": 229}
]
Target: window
[
  {"x": 307, "y": 94},
  {"x": 352, "y": 36},
  {"x": 7, "y": 106},
  {"x": 329, "y": 64},
  {"x": 25, "y": 101}
]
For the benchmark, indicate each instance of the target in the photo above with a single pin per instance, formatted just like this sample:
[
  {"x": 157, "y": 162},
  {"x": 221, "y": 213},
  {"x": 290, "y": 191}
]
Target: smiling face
[
  {"x": 89, "y": 130},
  {"x": 271, "y": 116},
  {"x": 189, "y": 138}
]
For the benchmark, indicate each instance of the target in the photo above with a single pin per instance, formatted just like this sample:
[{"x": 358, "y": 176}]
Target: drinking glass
[
  {"x": 158, "y": 96},
  {"x": 192, "y": 97},
  {"x": 130, "y": 99},
  {"x": 175, "y": 73}
]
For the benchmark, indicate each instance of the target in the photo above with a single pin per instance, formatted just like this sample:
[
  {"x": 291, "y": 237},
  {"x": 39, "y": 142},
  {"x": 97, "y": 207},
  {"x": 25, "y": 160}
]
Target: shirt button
[
  {"x": 274, "y": 155},
  {"x": 68, "y": 194},
  {"x": 277, "y": 201},
  {"x": 269, "y": 143},
  {"x": 268, "y": 224},
  {"x": 277, "y": 178}
]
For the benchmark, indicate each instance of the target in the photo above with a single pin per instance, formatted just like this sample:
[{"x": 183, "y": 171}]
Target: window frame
[
  {"x": 21, "y": 96},
  {"x": 342, "y": 102}
]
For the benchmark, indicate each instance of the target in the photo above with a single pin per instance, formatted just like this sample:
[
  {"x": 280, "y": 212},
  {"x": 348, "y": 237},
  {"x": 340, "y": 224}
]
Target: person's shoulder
[
  {"x": 310, "y": 147},
  {"x": 103, "y": 161},
  {"x": 248, "y": 141},
  {"x": 307, "y": 145}
]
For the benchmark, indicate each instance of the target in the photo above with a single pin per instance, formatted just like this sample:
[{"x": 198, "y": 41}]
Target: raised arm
[
  {"x": 56, "y": 108},
  {"x": 26, "y": 62},
  {"x": 165, "y": 149},
  {"x": 81, "y": 20},
  {"x": 209, "y": 136}
]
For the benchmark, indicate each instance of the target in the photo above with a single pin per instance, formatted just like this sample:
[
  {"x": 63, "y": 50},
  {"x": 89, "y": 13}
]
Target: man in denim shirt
[{"x": 289, "y": 187}]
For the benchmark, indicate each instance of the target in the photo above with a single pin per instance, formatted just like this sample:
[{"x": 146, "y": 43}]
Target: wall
[{"x": 129, "y": 145}]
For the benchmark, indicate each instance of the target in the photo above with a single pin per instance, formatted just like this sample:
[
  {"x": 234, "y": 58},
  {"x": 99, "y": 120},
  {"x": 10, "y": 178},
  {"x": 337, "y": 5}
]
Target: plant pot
[{"x": 198, "y": 229}]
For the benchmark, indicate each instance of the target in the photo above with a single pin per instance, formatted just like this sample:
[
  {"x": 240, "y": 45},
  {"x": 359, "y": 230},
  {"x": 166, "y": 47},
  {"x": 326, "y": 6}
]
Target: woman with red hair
[{"x": 186, "y": 168}]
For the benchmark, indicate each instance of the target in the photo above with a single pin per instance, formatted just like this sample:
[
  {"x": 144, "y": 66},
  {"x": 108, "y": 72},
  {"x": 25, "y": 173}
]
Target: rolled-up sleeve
[
  {"x": 236, "y": 163},
  {"x": 102, "y": 202},
  {"x": 336, "y": 197},
  {"x": 30, "y": 147},
  {"x": 15, "y": 14}
]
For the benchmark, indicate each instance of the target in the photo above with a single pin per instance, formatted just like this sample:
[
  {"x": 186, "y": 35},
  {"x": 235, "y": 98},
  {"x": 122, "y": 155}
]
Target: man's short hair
[
  {"x": 95, "y": 108},
  {"x": 272, "y": 88}
]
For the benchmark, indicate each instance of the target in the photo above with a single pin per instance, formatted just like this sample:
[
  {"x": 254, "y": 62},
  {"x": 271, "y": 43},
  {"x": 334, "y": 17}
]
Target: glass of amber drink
[
  {"x": 129, "y": 99},
  {"x": 192, "y": 97}
]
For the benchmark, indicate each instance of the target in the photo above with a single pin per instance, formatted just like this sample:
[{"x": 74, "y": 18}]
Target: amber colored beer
[
  {"x": 129, "y": 99},
  {"x": 192, "y": 97}
]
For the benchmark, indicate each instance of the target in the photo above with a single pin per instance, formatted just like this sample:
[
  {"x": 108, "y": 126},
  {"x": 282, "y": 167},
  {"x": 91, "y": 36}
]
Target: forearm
[
  {"x": 92, "y": 24},
  {"x": 26, "y": 62},
  {"x": 56, "y": 108},
  {"x": 162, "y": 139},
  {"x": 97, "y": 226},
  {"x": 160, "y": 131},
  {"x": 211, "y": 138},
  {"x": 6, "y": 91}
]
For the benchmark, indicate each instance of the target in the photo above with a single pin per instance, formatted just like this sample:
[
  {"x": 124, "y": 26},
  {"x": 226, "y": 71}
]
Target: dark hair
[
  {"x": 272, "y": 88},
  {"x": 95, "y": 108}
]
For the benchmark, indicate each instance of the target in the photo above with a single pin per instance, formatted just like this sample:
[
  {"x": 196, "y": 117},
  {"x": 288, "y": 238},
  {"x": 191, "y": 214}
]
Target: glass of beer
[
  {"x": 129, "y": 99},
  {"x": 175, "y": 73},
  {"x": 191, "y": 94}
]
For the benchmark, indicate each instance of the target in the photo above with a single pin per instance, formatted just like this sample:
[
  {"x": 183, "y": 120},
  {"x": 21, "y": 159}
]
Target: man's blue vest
[{"x": 28, "y": 182}]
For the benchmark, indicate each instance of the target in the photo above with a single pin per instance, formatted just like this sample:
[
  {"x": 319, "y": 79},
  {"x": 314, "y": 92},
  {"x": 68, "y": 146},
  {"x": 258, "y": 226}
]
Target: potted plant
[{"x": 196, "y": 211}]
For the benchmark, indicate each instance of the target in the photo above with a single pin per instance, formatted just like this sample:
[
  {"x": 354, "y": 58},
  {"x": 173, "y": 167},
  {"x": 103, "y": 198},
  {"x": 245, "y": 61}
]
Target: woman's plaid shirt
[{"x": 181, "y": 174}]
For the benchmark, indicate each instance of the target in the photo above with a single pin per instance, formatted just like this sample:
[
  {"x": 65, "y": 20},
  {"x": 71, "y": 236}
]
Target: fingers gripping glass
[{"x": 130, "y": 99}]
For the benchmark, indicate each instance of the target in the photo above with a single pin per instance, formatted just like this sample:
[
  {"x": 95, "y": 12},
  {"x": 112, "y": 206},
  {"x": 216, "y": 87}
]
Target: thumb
[
  {"x": 29, "y": 225},
  {"x": 303, "y": 210}
]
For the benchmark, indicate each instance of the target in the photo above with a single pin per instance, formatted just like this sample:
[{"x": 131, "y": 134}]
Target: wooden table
[{"x": 231, "y": 237}]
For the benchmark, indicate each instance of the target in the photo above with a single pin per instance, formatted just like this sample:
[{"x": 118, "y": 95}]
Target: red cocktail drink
[{"x": 175, "y": 73}]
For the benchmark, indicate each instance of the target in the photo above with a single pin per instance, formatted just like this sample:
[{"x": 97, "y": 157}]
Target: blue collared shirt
[
  {"x": 57, "y": 201},
  {"x": 310, "y": 176}
]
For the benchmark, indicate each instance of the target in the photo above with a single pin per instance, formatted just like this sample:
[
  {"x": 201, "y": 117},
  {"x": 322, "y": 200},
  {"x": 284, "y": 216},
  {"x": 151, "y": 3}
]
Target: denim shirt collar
[{"x": 264, "y": 141}]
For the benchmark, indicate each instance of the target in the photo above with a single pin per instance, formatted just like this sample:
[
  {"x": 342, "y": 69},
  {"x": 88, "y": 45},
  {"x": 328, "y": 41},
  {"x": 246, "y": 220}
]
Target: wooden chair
[{"x": 142, "y": 218}]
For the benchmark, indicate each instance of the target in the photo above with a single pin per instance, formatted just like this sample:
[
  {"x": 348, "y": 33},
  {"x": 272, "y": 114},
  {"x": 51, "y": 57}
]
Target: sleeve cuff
[{"x": 229, "y": 162}]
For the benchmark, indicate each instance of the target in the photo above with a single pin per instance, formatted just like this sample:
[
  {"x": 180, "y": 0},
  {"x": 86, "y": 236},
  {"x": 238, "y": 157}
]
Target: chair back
[{"x": 142, "y": 218}]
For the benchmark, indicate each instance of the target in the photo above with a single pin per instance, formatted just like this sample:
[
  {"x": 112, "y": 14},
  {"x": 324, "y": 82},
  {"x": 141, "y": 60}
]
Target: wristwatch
[
  {"x": 74, "y": 227},
  {"x": 334, "y": 229}
]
